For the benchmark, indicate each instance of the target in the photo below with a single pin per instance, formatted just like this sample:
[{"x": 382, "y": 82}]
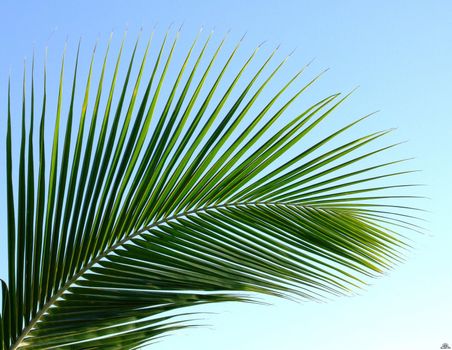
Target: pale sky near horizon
[{"x": 398, "y": 52}]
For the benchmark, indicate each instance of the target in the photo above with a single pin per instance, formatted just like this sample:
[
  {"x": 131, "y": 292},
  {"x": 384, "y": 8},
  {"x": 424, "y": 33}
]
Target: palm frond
[{"x": 182, "y": 193}]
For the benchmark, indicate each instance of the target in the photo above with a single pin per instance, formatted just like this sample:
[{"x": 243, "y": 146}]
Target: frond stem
[{"x": 112, "y": 248}]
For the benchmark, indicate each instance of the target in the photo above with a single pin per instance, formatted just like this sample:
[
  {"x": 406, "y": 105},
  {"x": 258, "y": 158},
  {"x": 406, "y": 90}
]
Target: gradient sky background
[{"x": 399, "y": 52}]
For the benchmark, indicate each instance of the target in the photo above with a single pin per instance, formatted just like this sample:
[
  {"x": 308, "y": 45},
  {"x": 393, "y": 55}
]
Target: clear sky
[{"x": 399, "y": 52}]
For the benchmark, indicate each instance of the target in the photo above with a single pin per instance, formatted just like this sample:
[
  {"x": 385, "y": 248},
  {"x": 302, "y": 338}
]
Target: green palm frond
[{"x": 183, "y": 193}]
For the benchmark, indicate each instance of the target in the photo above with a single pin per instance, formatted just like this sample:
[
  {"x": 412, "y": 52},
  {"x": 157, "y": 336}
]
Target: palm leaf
[{"x": 185, "y": 195}]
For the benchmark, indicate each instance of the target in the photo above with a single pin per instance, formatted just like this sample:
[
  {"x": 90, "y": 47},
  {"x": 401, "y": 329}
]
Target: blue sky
[{"x": 398, "y": 52}]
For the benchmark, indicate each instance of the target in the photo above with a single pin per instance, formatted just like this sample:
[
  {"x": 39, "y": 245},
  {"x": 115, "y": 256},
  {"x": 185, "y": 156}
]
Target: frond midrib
[{"x": 112, "y": 248}]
